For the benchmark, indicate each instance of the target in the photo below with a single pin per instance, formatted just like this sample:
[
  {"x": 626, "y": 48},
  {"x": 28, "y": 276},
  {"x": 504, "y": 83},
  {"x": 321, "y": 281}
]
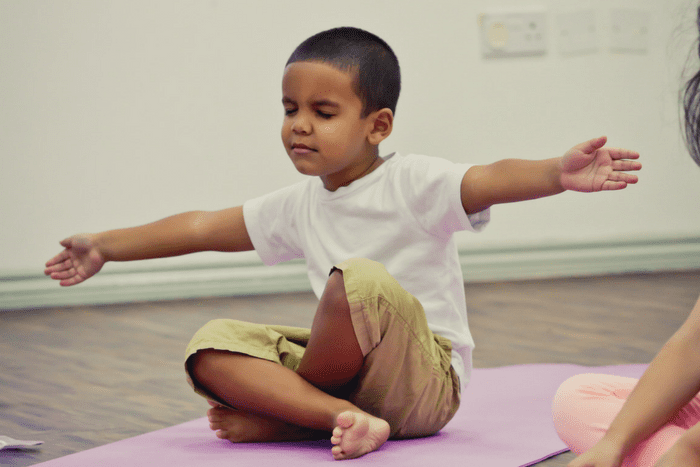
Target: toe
[
  {"x": 345, "y": 419},
  {"x": 337, "y": 453},
  {"x": 216, "y": 414}
]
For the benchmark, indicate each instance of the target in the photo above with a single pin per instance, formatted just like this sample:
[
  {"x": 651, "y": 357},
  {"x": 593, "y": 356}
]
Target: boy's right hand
[{"x": 80, "y": 260}]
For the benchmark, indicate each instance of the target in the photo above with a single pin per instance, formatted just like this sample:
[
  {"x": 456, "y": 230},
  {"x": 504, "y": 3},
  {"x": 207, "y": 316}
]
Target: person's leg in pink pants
[{"x": 586, "y": 404}]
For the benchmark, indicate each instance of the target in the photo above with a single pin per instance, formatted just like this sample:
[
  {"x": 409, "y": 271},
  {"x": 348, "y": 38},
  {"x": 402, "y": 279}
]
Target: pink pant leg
[{"x": 585, "y": 405}]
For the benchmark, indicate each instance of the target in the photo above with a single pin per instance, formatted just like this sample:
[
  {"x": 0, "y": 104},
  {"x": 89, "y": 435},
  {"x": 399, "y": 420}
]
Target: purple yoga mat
[{"x": 504, "y": 421}]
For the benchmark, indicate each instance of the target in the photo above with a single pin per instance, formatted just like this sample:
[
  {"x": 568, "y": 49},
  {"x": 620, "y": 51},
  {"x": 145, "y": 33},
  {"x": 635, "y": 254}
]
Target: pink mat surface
[{"x": 504, "y": 421}]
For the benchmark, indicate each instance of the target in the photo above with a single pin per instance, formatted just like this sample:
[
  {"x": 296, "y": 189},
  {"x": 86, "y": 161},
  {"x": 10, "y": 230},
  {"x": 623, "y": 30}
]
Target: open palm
[
  {"x": 591, "y": 167},
  {"x": 79, "y": 261}
]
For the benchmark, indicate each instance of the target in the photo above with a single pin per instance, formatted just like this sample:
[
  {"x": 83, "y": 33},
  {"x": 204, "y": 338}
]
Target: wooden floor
[{"x": 81, "y": 377}]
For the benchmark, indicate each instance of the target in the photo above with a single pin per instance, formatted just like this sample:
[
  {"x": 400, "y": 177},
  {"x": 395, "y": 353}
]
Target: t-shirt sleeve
[
  {"x": 432, "y": 187},
  {"x": 272, "y": 222}
]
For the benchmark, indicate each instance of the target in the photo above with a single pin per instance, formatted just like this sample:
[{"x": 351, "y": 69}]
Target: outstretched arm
[
  {"x": 85, "y": 254},
  {"x": 586, "y": 167}
]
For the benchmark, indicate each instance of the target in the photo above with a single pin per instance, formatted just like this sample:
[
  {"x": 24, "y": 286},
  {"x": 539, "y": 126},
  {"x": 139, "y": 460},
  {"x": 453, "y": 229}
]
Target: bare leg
[
  {"x": 239, "y": 426},
  {"x": 331, "y": 360},
  {"x": 276, "y": 401},
  {"x": 268, "y": 391},
  {"x": 332, "y": 357}
]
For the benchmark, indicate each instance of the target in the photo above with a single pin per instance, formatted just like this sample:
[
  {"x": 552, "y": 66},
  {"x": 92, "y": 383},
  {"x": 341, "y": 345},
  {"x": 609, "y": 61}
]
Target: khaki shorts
[{"x": 407, "y": 377}]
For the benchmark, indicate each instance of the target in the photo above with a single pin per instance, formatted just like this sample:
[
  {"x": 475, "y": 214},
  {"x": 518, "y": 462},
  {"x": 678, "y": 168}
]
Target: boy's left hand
[{"x": 591, "y": 167}]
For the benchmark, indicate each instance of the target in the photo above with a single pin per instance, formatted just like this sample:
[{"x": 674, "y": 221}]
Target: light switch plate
[{"x": 510, "y": 33}]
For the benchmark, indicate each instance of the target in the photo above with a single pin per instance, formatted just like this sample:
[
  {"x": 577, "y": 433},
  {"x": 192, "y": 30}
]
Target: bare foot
[
  {"x": 357, "y": 434},
  {"x": 238, "y": 426}
]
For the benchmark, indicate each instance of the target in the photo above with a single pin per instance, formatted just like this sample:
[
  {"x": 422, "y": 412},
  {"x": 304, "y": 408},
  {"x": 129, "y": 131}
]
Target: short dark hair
[
  {"x": 377, "y": 78},
  {"x": 691, "y": 108}
]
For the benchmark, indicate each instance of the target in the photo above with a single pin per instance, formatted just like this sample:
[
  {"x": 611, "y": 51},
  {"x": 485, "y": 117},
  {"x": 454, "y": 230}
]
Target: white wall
[{"x": 116, "y": 113}]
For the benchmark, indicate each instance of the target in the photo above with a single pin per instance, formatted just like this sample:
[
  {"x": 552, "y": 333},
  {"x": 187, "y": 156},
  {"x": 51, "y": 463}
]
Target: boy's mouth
[{"x": 298, "y": 148}]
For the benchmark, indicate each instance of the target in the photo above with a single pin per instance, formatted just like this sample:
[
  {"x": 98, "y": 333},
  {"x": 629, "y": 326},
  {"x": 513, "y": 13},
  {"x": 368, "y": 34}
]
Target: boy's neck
[{"x": 375, "y": 162}]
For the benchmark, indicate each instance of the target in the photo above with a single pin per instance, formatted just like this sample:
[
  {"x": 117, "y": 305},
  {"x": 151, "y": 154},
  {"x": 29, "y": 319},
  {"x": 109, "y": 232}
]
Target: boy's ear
[{"x": 382, "y": 122}]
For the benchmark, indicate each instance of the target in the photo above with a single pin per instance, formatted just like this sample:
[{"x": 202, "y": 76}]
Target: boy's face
[{"x": 323, "y": 130}]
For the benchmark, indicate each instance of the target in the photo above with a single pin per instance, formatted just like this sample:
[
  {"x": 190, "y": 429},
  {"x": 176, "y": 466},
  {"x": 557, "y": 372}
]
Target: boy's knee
[
  {"x": 205, "y": 363},
  {"x": 334, "y": 301},
  {"x": 357, "y": 271}
]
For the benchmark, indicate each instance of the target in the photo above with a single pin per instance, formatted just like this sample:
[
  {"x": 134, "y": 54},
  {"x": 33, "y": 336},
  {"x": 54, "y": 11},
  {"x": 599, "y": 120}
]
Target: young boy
[{"x": 389, "y": 349}]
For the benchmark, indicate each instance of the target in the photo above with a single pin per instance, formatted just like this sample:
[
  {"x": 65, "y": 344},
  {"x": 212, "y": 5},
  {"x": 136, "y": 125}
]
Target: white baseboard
[
  {"x": 580, "y": 259},
  {"x": 521, "y": 262}
]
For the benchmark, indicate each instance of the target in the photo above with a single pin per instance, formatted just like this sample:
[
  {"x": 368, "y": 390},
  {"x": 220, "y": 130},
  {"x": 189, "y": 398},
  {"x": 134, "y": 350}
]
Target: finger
[
  {"x": 619, "y": 153},
  {"x": 61, "y": 275},
  {"x": 64, "y": 266},
  {"x": 592, "y": 145},
  {"x": 214, "y": 415},
  {"x": 623, "y": 177},
  {"x": 613, "y": 185},
  {"x": 62, "y": 256},
  {"x": 67, "y": 263},
  {"x": 77, "y": 243},
  {"x": 626, "y": 165},
  {"x": 72, "y": 281}
]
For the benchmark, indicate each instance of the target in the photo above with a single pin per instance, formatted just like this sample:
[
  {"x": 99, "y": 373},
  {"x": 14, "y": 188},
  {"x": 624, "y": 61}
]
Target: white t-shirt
[{"x": 402, "y": 214}]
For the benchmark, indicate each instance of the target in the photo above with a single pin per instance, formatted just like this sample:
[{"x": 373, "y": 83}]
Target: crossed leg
[
  {"x": 276, "y": 403},
  {"x": 586, "y": 404}
]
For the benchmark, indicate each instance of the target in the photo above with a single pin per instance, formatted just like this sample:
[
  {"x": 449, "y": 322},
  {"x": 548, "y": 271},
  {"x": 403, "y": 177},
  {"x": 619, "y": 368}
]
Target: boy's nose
[{"x": 301, "y": 125}]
